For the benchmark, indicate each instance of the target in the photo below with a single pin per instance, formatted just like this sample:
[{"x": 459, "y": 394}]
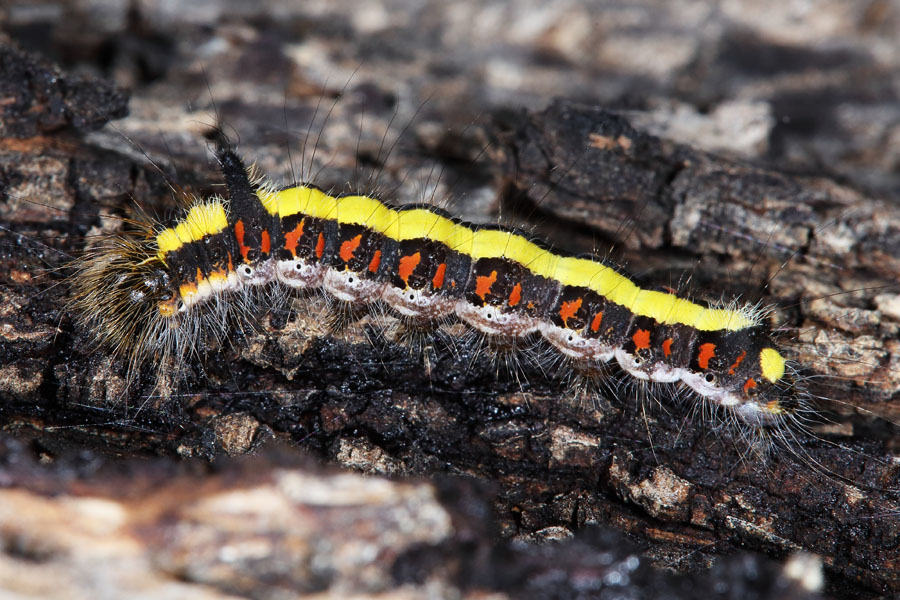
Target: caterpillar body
[{"x": 149, "y": 296}]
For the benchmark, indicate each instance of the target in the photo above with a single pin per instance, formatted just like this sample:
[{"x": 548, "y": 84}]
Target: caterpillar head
[{"x": 125, "y": 296}]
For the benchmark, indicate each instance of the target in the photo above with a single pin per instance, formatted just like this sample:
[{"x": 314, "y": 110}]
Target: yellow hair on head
[{"x": 204, "y": 219}]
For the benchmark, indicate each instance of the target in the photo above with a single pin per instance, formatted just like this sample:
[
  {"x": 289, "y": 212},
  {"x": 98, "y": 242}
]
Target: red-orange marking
[
  {"x": 265, "y": 242},
  {"x": 667, "y": 347},
  {"x": 437, "y": 282},
  {"x": 641, "y": 339},
  {"x": 483, "y": 284},
  {"x": 376, "y": 260},
  {"x": 239, "y": 235},
  {"x": 595, "y": 322},
  {"x": 408, "y": 264},
  {"x": 349, "y": 247},
  {"x": 320, "y": 245},
  {"x": 187, "y": 289},
  {"x": 515, "y": 296},
  {"x": 568, "y": 310},
  {"x": 292, "y": 237},
  {"x": 737, "y": 363},
  {"x": 750, "y": 384},
  {"x": 707, "y": 351}
]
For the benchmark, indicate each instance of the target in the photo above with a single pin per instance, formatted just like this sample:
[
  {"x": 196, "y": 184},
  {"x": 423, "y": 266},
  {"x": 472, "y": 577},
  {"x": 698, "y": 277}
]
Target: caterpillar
[
  {"x": 140, "y": 292},
  {"x": 149, "y": 296}
]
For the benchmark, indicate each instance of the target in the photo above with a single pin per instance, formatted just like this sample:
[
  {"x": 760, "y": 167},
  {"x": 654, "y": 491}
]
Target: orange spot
[
  {"x": 774, "y": 407},
  {"x": 438, "y": 281},
  {"x": 167, "y": 308},
  {"x": 667, "y": 347},
  {"x": 230, "y": 263},
  {"x": 483, "y": 284},
  {"x": 737, "y": 363},
  {"x": 349, "y": 247},
  {"x": 530, "y": 305},
  {"x": 187, "y": 291},
  {"x": 408, "y": 264},
  {"x": 707, "y": 351},
  {"x": 750, "y": 384},
  {"x": 568, "y": 310},
  {"x": 239, "y": 234},
  {"x": 320, "y": 245},
  {"x": 641, "y": 339},
  {"x": 217, "y": 277},
  {"x": 595, "y": 322},
  {"x": 292, "y": 237},
  {"x": 376, "y": 260},
  {"x": 265, "y": 242},
  {"x": 516, "y": 295}
]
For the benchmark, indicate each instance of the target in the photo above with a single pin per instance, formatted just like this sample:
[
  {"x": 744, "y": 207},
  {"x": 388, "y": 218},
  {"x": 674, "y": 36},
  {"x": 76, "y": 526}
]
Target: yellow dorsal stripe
[
  {"x": 208, "y": 218},
  {"x": 416, "y": 223},
  {"x": 771, "y": 364}
]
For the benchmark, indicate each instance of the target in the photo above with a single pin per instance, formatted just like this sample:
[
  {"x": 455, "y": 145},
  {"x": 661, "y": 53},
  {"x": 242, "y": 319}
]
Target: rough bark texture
[
  {"x": 278, "y": 527},
  {"x": 754, "y": 154}
]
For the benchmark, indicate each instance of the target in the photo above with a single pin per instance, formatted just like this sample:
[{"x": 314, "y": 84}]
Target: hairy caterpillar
[
  {"x": 148, "y": 297},
  {"x": 184, "y": 330}
]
